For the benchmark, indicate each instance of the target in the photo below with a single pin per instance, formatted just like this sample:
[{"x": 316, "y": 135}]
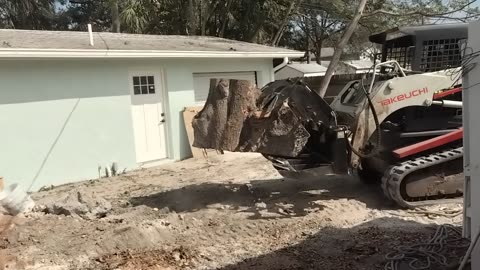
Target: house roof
[
  {"x": 327, "y": 52},
  {"x": 308, "y": 68},
  {"x": 34, "y": 43},
  {"x": 325, "y": 64}
]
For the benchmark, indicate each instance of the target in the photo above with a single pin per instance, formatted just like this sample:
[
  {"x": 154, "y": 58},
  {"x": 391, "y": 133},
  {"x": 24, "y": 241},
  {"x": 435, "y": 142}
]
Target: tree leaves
[
  {"x": 27, "y": 14},
  {"x": 134, "y": 15}
]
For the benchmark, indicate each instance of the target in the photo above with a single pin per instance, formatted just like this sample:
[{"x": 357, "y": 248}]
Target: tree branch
[
  {"x": 115, "y": 16},
  {"x": 281, "y": 28},
  {"x": 419, "y": 12},
  {"x": 462, "y": 19},
  {"x": 339, "y": 48},
  {"x": 224, "y": 18}
]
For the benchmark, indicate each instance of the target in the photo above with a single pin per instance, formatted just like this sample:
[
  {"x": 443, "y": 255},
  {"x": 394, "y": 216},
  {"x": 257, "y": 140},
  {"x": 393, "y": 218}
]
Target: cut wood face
[{"x": 188, "y": 115}]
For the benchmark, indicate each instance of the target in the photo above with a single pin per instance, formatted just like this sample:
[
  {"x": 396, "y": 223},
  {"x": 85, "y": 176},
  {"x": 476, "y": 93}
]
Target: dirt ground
[{"x": 230, "y": 212}]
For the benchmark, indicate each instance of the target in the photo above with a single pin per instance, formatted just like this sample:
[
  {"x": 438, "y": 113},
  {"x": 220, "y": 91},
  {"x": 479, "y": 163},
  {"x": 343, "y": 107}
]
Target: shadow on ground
[
  {"x": 361, "y": 248},
  {"x": 294, "y": 197}
]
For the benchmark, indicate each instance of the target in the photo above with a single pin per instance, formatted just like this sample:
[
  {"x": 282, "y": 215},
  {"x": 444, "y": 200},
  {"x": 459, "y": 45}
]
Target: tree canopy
[{"x": 299, "y": 24}]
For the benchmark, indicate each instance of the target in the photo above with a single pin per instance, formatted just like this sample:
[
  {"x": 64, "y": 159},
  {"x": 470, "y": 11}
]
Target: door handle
[{"x": 163, "y": 118}]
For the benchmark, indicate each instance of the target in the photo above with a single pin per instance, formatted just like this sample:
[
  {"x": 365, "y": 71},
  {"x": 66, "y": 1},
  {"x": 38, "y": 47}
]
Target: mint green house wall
[{"x": 82, "y": 107}]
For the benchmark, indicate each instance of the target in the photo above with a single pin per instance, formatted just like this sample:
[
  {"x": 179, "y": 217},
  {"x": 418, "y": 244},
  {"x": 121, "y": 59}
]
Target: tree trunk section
[
  {"x": 254, "y": 37},
  {"x": 238, "y": 117},
  {"x": 242, "y": 97},
  {"x": 224, "y": 20},
  {"x": 203, "y": 25},
  {"x": 191, "y": 27},
  {"x": 115, "y": 16},
  {"x": 207, "y": 11},
  {"x": 219, "y": 124},
  {"x": 320, "y": 43},
  {"x": 307, "y": 41},
  {"x": 339, "y": 48},
  {"x": 210, "y": 122}
]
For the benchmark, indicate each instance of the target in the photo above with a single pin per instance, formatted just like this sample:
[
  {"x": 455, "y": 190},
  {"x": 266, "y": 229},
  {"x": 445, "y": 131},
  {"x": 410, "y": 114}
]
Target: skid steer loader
[{"x": 400, "y": 126}]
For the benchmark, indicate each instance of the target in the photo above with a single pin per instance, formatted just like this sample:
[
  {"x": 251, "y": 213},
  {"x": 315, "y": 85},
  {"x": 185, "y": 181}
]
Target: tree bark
[
  {"x": 318, "y": 55},
  {"x": 258, "y": 28},
  {"x": 219, "y": 124},
  {"x": 210, "y": 122},
  {"x": 206, "y": 12},
  {"x": 191, "y": 26},
  {"x": 205, "y": 18},
  {"x": 339, "y": 48},
  {"x": 320, "y": 39},
  {"x": 224, "y": 23},
  {"x": 307, "y": 45},
  {"x": 115, "y": 16},
  {"x": 241, "y": 101}
]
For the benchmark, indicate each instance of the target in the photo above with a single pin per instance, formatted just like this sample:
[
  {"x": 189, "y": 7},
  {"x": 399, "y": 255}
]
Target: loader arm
[{"x": 391, "y": 96}]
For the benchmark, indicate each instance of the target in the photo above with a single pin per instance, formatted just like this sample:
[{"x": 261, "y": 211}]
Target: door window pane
[
  {"x": 136, "y": 80},
  {"x": 151, "y": 89},
  {"x": 136, "y": 90},
  {"x": 143, "y": 85},
  {"x": 150, "y": 80}
]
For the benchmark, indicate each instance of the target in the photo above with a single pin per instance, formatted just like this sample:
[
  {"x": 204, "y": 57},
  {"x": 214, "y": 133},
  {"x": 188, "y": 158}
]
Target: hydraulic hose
[{"x": 377, "y": 124}]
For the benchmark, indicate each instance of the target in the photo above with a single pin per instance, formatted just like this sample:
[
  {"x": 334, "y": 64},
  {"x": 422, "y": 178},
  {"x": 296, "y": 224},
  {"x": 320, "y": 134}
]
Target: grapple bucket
[{"x": 291, "y": 125}]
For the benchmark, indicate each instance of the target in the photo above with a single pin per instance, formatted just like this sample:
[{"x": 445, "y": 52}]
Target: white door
[
  {"x": 148, "y": 116},
  {"x": 201, "y": 82}
]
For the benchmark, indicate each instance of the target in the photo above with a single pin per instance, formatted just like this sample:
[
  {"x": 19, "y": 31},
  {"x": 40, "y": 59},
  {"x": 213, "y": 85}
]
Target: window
[
  {"x": 441, "y": 54},
  {"x": 353, "y": 95},
  {"x": 403, "y": 55},
  {"x": 143, "y": 85}
]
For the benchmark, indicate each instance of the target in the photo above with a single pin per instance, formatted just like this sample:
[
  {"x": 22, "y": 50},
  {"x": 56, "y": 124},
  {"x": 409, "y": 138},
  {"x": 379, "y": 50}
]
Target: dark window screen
[{"x": 440, "y": 54}]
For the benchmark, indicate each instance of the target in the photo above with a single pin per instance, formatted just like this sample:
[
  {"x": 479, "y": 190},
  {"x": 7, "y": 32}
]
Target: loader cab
[
  {"x": 417, "y": 49},
  {"x": 424, "y": 48}
]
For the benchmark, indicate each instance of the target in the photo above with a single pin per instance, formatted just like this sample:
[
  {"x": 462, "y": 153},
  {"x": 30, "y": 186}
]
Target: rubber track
[{"x": 394, "y": 176}]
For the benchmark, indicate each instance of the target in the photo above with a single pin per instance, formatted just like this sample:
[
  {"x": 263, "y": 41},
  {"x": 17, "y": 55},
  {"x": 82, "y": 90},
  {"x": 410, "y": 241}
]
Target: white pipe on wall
[
  {"x": 90, "y": 34},
  {"x": 283, "y": 64}
]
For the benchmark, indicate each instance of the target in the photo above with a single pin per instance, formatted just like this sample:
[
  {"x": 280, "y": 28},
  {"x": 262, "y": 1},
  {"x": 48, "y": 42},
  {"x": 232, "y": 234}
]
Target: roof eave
[{"x": 67, "y": 53}]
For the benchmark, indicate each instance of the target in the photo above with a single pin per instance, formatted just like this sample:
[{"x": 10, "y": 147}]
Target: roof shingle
[{"x": 68, "y": 40}]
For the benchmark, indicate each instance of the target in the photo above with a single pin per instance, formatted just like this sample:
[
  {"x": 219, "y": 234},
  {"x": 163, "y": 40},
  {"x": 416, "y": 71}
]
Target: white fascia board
[{"x": 67, "y": 53}]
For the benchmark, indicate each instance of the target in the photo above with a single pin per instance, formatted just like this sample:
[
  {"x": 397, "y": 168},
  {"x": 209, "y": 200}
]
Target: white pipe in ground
[{"x": 15, "y": 200}]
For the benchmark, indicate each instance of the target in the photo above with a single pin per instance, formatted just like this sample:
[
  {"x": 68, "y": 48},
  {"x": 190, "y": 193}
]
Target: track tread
[{"x": 392, "y": 179}]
